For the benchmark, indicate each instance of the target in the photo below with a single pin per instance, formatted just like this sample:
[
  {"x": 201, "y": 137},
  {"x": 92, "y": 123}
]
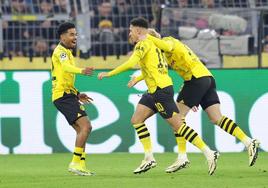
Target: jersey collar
[{"x": 64, "y": 46}]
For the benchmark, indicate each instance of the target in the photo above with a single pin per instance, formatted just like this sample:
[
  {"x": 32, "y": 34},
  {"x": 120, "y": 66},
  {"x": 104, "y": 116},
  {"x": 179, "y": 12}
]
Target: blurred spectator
[
  {"x": 121, "y": 7},
  {"x": 104, "y": 11},
  {"x": 235, "y": 3},
  {"x": 46, "y": 7},
  {"x": 169, "y": 28},
  {"x": 19, "y": 7},
  {"x": 5, "y": 7},
  {"x": 141, "y": 8},
  {"x": 208, "y": 4},
  {"x": 156, "y": 11},
  {"x": 108, "y": 40},
  {"x": 184, "y": 3},
  {"x": 61, "y": 6},
  {"x": 261, "y": 3},
  {"x": 17, "y": 38},
  {"x": 123, "y": 13},
  {"x": 40, "y": 47}
]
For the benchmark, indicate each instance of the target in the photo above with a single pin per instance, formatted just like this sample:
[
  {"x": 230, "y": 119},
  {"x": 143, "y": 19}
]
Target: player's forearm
[
  {"x": 163, "y": 45},
  {"x": 71, "y": 69},
  {"x": 125, "y": 66}
]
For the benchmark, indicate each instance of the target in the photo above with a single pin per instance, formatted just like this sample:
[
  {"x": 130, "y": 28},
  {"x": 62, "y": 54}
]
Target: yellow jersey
[
  {"x": 63, "y": 72},
  {"x": 181, "y": 58},
  {"x": 153, "y": 65}
]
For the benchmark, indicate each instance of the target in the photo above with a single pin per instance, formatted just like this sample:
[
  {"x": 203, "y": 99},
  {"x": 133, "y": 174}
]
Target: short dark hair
[
  {"x": 64, "y": 27},
  {"x": 140, "y": 22}
]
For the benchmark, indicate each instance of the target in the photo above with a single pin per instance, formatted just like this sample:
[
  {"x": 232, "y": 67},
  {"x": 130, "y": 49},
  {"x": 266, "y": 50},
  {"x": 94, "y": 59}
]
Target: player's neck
[{"x": 62, "y": 44}]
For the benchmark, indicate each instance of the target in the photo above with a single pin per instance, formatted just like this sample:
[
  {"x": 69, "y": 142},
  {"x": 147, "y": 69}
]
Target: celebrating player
[
  {"x": 66, "y": 97},
  {"x": 159, "y": 97},
  {"x": 199, "y": 88}
]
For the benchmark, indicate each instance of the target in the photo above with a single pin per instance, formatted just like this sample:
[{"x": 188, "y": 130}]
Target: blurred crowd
[{"x": 109, "y": 20}]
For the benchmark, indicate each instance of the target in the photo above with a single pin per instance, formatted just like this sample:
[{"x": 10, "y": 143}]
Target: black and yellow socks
[
  {"x": 144, "y": 137},
  {"x": 190, "y": 135},
  {"x": 181, "y": 143},
  {"x": 232, "y": 128},
  {"x": 83, "y": 159},
  {"x": 77, "y": 154}
]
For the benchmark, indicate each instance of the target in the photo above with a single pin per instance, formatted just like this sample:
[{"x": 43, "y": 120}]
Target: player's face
[
  {"x": 69, "y": 38},
  {"x": 133, "y": 35}
]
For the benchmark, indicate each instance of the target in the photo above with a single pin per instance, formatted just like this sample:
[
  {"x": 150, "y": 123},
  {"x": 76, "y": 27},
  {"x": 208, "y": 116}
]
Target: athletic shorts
[
  {"x": 161, "y": 101},
  {"x": 199, "y": 91},
  {"x": 70, "y": 107}
]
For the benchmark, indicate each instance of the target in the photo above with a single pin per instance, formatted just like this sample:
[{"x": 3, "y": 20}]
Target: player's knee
[
  {"x": 176, "y": 128},
  {"x": 135, "y": 120},
  {"x": 181, "y": 120},
  {"x": 213, "y": 120},
  {"x": 87, "y": 128}
]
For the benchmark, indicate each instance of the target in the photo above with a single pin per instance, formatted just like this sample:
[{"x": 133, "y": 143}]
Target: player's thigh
[
  {"x": 83, "y": 123},
  {"x": 165, "y": 103},
  {"x": 184, "y": 109},
  {"x": 211, "y": 97},
  {"x": 176, "y": 121},
  {"x": 144, "y": 109},
  {"x": 70, "y": 107},
  {"x": 193, "y": 91}
]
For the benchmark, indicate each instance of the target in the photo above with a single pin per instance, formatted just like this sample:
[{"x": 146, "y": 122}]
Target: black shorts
[
  {"x": 70, "y": 107},
  {"x": 161, "y": 101},
  {"x": 199, "y": 91}
]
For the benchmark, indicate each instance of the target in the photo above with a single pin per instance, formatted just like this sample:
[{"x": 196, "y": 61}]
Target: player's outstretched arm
[
  {"x": 133, "y": 60},
  {"x": 73, "y": 69},
  {"x": 164, "y": 45},
  {"x": 134, "y": 80},
  {"x": 88, "y": 71},
  {"x": 102, "y": 75}
]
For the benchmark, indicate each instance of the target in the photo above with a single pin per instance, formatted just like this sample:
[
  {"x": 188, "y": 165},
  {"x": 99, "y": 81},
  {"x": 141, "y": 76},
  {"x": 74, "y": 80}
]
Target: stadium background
[{"x": 236, "y": 51}]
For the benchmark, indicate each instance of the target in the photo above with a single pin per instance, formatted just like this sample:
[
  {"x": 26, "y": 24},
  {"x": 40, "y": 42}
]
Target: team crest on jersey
[
  {"x": 82, "y": 108},
  {"x": 139, "y": 48},
  {"x": 63, "y": 56}
]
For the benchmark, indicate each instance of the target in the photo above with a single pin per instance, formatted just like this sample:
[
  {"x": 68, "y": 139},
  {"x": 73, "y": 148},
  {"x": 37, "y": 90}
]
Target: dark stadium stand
[{"x": 28, "y": 27}]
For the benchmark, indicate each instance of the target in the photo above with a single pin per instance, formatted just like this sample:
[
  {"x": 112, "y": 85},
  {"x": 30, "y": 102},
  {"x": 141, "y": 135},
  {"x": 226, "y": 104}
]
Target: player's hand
[
  {"x": 195, "y": 108},
  {"x": 88, "y": 71},
  {"x": 102, "y": 75},
  {"x": 84, "y": 98},
  {"x": 154, "y": 33},
  {"x": 132, "y": 82}
]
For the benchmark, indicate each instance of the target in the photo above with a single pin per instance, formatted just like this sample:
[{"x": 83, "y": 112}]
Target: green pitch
[{"x": 115, "y": 171}]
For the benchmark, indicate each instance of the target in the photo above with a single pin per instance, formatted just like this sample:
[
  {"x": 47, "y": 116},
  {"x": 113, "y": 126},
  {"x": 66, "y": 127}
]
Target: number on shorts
[{"x": 159, "y": 107}]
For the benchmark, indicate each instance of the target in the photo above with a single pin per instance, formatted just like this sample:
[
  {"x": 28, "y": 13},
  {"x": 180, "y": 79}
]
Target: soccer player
[
  {"x": 199, "y": 88},
  {"x": 159, "y": 97},
  {"x": 66, "y": 97}
]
